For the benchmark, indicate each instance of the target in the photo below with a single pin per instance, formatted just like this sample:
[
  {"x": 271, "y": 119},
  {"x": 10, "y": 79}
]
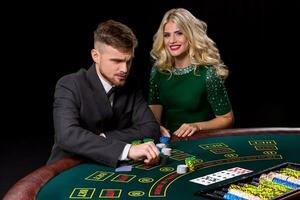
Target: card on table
[
  {"x": 220, "y": 176},
  {"x": 124, "y": 168}
]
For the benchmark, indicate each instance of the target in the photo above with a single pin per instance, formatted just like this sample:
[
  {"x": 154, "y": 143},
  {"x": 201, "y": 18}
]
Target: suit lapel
[{"x": 102, "y": 102}]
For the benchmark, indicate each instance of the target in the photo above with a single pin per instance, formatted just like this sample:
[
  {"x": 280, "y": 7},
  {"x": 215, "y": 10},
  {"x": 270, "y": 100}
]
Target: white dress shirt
[{"x": 107, "y": 87}]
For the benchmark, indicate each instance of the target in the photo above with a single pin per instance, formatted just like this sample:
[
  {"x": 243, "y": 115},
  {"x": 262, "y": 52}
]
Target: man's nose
[{"x": 124, "y": 67}]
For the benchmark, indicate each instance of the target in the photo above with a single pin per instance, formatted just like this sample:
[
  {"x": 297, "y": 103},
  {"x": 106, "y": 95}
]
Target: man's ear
[{"x": 95, "y": 55}]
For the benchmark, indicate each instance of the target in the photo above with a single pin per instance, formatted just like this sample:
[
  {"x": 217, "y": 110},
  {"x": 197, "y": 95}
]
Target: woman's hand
[{"x": 186, "y": 130}]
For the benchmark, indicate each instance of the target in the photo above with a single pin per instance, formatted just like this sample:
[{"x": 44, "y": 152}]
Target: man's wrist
[{"x": 124, "y": 154}]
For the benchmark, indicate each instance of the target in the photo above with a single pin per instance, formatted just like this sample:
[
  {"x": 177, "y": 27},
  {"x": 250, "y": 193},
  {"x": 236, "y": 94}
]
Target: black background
[{"x": 258, "y": 41}]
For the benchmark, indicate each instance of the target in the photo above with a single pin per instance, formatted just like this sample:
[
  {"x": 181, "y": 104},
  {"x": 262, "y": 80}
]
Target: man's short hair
[{"x": 115, "y": 34}]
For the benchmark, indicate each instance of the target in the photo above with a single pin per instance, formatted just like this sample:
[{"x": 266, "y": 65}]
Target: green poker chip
[
  {"x": 136, "y": 142},
  {"x": 148, "y": 140}
]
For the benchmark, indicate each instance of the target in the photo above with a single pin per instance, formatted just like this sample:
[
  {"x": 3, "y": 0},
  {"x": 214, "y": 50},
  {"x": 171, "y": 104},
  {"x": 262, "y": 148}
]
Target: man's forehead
[{"x": 115, "y": 52}]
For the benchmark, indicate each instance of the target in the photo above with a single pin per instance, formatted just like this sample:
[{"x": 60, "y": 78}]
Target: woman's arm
[
  {"x": 219, "y": 122},
  {"x": 157, "y": 111}
]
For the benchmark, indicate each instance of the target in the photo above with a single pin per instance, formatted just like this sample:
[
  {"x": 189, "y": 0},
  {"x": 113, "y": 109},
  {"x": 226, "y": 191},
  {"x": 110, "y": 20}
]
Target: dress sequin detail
[
  {"x": 185, "y": 70},
  {"x": 216, "y": 92}
]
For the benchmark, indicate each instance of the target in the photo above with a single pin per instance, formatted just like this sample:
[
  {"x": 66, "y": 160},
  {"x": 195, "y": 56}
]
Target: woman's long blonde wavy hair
[{"x": 203, "y": 50}]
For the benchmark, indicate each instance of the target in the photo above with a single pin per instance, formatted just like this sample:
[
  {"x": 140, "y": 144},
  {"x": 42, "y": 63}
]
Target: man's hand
[{"x": 147, "y": 151}]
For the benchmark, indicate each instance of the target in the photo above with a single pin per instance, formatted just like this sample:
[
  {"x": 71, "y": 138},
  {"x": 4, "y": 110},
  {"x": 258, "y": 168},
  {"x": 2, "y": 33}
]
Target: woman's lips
[{"x": 174, "y": 47}]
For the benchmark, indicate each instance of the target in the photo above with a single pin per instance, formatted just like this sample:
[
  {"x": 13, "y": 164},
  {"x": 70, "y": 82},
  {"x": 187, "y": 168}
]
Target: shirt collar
[{"x": 105, "y": 84}]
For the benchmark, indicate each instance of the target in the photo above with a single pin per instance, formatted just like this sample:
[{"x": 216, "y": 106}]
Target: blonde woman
[{"x": 187, "y": 92}]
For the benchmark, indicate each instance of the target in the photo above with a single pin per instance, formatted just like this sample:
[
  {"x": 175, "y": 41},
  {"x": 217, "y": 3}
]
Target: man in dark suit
[{"x": 89, "y": 121}]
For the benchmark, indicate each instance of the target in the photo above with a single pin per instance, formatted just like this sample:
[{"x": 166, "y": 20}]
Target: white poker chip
[
  {"x": 160, "y": 146},
  {"x": 166, "y": 151},
  {"x": 181, "y": 169}
]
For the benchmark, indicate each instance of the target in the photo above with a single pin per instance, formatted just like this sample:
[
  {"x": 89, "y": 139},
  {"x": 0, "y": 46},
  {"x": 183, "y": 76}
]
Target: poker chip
[
  {"x": 275, "y": 186},
  {"x": 164, "y": 139},
  {"x": 166, "y": 151},
  {"x": 285, "y": 183},
  {"x": 164, "y": 159},
  {"x": 242, "y": 195},
  {"x": 148, "y": 140},
  {"x": 160, "y": 146},
  {"x": 290, "y": 172},
  {"x": 181, "y": 169},
  {"x": 136, "y": 142},
  {"x": 272, "y": 175},
  {"x": 230, "y": 196},
  {"x": 191, "y": 163},
  {"x": 268, "y": 185},
  {"x": 261, "y": 191}
]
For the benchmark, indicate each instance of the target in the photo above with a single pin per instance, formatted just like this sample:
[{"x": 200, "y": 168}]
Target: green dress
[{"x": 191, "y": 94}]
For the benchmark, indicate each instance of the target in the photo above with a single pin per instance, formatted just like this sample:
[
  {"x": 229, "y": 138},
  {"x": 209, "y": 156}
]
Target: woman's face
[{"x": 174, "y": 40}]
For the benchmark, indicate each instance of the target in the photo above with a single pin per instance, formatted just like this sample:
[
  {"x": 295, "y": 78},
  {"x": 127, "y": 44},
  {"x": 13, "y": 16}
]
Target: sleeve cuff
[
  {"x": 125, "y": 152},
  {"x": 102, "y": 135}
]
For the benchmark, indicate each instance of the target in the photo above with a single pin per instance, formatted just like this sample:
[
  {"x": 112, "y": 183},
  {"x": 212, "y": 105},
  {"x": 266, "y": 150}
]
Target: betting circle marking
[
  {"x": 166, "y": 169},
  {"x": 146, "y": 180},
  {"x": 136, "y": 193}
]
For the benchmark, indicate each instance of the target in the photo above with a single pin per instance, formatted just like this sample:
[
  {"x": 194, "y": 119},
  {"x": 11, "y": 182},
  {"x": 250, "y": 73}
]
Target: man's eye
[{"x": 117, "y": 61}]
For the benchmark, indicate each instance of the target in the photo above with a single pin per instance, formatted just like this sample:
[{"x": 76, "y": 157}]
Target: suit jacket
[{"x": 81, "y": 111}]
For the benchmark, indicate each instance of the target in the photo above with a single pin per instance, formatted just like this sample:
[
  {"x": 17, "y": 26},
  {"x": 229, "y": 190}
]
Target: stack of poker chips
[
  {"x": 259, "y": 192},
  {"x": 160, "y": 146},
  {"x": 165, "y": 140},
  {"x": 165, "y": 152},
  {"x": 274, "y": 186},
  {"x": 271, "y": 185},
  {"x": 164, "y": 159},
  {"x": 181, "y": 169},
  {"x": 239, "y": 192},
  {"x": 290, "y": 172},
  {"x": 281, "y": 179},
  {"x": 140, "y": 141},
  {"x": 192, "y": 163}
]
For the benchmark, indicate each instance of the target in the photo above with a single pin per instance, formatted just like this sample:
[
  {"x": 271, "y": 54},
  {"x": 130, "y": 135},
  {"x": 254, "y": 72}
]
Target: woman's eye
[{"x": 166, "y": 34}]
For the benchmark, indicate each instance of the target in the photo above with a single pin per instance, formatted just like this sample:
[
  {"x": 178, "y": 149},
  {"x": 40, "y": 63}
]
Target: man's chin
[{"x": 119, "y": 83}]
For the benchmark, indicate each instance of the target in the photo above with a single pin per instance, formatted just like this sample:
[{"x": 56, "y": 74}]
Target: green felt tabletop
[{"x": 252, "y": 152}]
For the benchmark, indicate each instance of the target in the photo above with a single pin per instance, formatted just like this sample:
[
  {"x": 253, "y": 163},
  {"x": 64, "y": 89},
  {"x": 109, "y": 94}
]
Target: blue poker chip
[{"x": 164, "y": 139}]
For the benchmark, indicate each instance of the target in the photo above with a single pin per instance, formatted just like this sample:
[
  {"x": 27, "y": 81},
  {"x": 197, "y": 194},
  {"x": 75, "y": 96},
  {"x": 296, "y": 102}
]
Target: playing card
[
  {"x": 220, "y": 176},
  {"x": 124, "y": 168},
  {"x": 239, "y": 171}
]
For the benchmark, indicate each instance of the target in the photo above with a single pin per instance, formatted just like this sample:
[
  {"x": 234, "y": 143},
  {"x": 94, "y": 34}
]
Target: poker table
[{"x": 253, "y": 149}]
